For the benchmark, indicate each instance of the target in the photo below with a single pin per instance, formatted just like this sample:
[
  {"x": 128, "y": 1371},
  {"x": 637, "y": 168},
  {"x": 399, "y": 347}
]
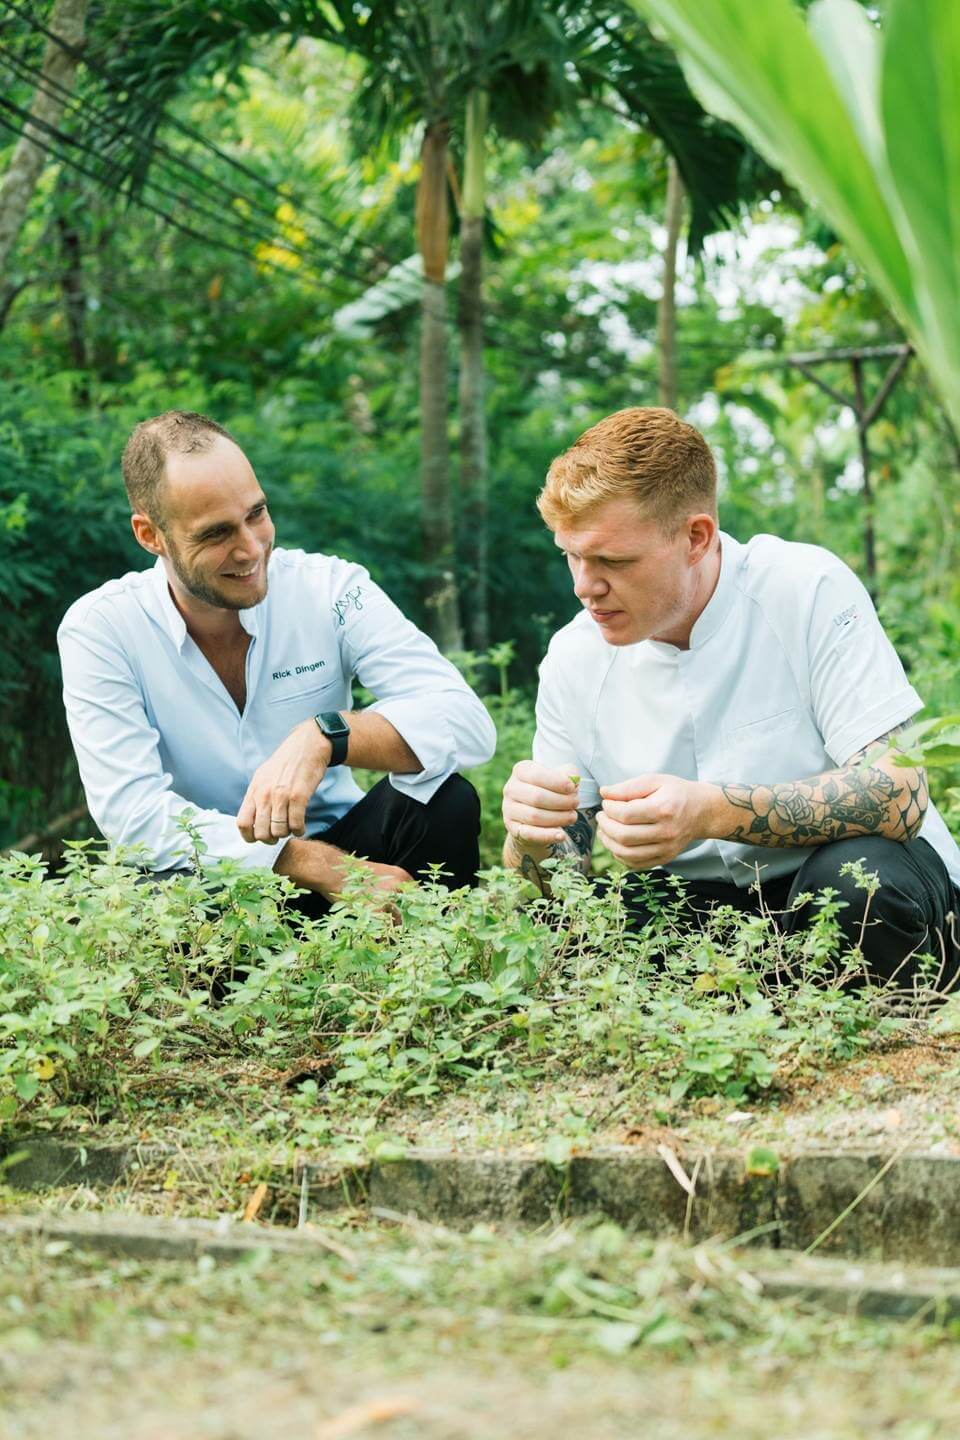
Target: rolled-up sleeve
[
  {"x": 422, "y": 694},
  {"x": 129, "y": 794}
]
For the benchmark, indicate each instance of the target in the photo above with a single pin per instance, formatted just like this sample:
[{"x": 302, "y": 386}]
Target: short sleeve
[
  {"x": 552, "y": 745},
  {"x": 858, "y": 686}
]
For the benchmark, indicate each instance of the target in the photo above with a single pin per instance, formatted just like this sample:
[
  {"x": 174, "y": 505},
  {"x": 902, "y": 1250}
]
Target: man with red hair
[{"x": 723, "y": 712}]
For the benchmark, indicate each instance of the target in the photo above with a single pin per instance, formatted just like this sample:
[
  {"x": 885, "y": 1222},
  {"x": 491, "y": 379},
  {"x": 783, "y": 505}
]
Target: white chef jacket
[
  {"x": 788, "y": 673},
  {"x": 156, "y": 732}
]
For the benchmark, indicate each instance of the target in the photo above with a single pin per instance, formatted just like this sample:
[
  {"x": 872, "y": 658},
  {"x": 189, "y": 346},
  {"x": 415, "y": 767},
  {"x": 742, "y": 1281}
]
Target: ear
[
  {"x": 147, "y": 534},
  {"x": 701, "y": 533}
]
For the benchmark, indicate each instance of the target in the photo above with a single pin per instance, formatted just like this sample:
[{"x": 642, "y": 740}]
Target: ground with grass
[
  {"x": 206, "y": 1023},
  {"x": 409, "y": 1330}
]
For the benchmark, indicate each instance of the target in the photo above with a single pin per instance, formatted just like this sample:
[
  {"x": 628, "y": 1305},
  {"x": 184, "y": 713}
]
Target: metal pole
[{"x": 869, "y": 546}]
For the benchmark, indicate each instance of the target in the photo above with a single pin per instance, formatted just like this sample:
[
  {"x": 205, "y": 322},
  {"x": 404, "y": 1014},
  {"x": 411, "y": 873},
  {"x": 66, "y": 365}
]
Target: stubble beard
[{"x": 199, "y": 589}]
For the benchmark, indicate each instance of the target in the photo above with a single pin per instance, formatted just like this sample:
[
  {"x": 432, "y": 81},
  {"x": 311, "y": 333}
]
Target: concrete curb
[
  {"x": 910, "y": 1214},
  {"x": 907, "y": 1211},
  {"x": 124, "y": 1236},
  {"x": 874, "y": 1290}
]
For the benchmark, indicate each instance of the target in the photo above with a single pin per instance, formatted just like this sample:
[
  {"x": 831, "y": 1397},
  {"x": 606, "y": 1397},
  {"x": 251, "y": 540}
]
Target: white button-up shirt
[
  {"x": 155, "y": 730},
  {"x": 789, "y": 673}
]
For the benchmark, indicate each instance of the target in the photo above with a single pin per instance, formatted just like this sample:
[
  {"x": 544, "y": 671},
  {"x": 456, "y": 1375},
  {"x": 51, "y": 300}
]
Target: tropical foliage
[
  {"x": 198, "y": 237},
  {"x": 863, "y": 117}
]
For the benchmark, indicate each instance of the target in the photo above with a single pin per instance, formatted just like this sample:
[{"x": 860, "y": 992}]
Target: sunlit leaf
[{"x": 865, "y": 123}]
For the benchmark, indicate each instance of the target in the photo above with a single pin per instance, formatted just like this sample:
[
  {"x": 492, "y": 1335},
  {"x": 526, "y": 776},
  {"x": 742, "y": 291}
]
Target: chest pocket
[
  {"x": 305, "y": 689},
  {"x": 764, "y": 726},
  {"x": 783, "y": 746}
]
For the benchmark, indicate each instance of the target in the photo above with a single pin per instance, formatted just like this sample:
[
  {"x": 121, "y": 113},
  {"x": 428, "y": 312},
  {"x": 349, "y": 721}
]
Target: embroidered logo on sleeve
[
  {"x": 352, "y": 600},
  {"x": 846, "y": 618}
]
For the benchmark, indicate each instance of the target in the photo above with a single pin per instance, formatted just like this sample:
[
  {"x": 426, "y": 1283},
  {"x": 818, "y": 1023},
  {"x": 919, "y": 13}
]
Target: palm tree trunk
[
  {"x": 440, "y": 587},
  {"x": 26, "y": 164},
  {"x": 667, "y": 306},
  {"x": 473, "y": 425}
]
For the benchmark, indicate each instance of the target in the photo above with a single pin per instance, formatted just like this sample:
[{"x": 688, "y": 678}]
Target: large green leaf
[
  {"x": 865, "y": 122},
  {"x": 850, "y": 44},
  {"x": 758, "y": 66},
  {"x": 920, "y": 103}
]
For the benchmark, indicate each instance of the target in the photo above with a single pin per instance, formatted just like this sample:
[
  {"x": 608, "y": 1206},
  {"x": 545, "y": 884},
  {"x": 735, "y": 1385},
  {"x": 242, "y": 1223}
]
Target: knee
[
  {"x": 456, "y": 803},
  {"x": 845, "y": 865}
]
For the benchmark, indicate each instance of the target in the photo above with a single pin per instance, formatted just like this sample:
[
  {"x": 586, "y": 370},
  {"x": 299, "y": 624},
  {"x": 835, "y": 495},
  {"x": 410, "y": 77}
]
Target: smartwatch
[{"x": 337, "y": 731}]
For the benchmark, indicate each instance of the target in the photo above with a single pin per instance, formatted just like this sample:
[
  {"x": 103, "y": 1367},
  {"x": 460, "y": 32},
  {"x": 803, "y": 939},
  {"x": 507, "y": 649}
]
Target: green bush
[{"x": 101, "y": 976}]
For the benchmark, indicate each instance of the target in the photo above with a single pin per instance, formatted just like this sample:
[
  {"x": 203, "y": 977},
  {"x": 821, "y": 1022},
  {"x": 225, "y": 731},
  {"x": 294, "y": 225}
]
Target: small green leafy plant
[{"x": 102, "y": 976}]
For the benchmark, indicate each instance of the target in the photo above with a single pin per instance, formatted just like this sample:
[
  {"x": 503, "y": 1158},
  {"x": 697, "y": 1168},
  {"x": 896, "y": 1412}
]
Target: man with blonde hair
[{"x": 723, "y": 712}]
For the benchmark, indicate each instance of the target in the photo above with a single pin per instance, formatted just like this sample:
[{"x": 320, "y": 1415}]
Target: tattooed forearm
[
  {"x": 577, "y": 846},
  {"x": 579, "y": 842},
  {"x": 861, "y": 798},
  {"x": 531, "y": 871}
]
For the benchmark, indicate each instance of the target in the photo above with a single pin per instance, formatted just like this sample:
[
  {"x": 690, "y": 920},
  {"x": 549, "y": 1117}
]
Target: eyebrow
[
  {"x": 223, "y": 526},
  {"x": 593, "y": 555}
]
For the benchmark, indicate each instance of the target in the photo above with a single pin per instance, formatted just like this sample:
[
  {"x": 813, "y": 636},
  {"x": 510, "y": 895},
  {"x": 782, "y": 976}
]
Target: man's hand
[
  {"x": 275, "y": 804},
  {"x": 538, "y": 804},
  {"x": 647, "y": 821}
]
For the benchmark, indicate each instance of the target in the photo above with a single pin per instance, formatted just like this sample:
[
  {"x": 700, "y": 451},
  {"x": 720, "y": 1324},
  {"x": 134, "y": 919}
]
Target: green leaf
[
  {"x": 557, "y": 1151},
  {"x": 759, "y": 67},
  {"x": 761, "y": 1161},
  {"x": 146, "y": 1047},
  {"x": 26, "y": 1085},
  {"x": 8, "y": 1107},
  {"x": 947, "y": 1021},
  {"x": 920, "y": 96},
  {"x": 385, "y": 1149},
  {"x": 616, "y": 1337},
  {"x": 850, "y": 44}
]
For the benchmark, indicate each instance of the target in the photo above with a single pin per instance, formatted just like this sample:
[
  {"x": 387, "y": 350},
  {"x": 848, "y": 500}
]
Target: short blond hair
[
  {"x": 144, "y": 463},
  {"x": 646, "y": 453}
]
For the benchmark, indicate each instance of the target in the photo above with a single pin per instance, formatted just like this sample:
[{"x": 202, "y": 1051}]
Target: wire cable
[{"x": 82, "y": 57}]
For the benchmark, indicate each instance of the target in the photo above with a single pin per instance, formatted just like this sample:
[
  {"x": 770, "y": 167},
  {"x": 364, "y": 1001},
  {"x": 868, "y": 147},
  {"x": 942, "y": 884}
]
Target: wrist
[
  {"x": 519, "y": 848},
  {"x": 713, "y": 810},
  {"x": 321, "y": 745}
]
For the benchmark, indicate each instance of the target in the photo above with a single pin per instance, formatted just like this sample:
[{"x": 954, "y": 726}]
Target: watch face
[{"x": 333, "y": 722}]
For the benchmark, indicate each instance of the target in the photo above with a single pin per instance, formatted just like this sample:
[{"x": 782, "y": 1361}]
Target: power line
[
  {"x": 81, "y": 56},
  {"x": 58, "y": 152},
  {"x": 239, "y": 224},
  {"x": 280, "y": 193},
  {"x": 215, "y": 242},
  {"x": 195, "y": 177}
]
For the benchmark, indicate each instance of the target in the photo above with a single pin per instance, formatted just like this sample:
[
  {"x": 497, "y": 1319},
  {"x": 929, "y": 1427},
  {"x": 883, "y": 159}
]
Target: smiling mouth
[{"x": 241, "y": 574}]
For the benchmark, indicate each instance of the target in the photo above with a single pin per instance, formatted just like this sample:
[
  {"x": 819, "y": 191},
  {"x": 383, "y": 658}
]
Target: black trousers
[
  {"x": 914, "y": 912},
  {"x": 392, "y": 829}
]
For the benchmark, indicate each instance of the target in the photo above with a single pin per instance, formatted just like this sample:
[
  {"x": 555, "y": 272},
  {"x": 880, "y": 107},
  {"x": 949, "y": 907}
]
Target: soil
[
  {"x": 302, "y": 1396},
  {"x": 452, "y": 1378}
]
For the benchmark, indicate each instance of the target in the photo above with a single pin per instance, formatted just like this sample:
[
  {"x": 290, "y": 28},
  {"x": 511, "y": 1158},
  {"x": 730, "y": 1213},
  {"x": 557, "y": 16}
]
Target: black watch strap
[{"x": 337, "y": 731}]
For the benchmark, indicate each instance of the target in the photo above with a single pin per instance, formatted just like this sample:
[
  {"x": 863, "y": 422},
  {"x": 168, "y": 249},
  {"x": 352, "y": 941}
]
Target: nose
[
  {"x": 247, "y": 545},
  {"x": 588, "y": 583}
]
